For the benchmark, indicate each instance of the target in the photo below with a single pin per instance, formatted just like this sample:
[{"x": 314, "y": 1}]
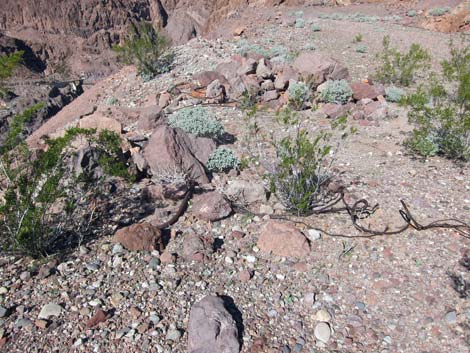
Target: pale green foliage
[
  {"x": 411, "y": 13},
  {"x": 222, "y": 160},
  {"x": 299, "y": 23},
  {"x": 299, "y": 93},
  {"x": 398, "y": 68},
  {"x": 147, "y": 49},
  {"x": 361, "y": 49},
  {"x": 358, "y": 38},
  {"x": 336, "y": 91},
  {"x": 197, "y": 121},
  {"x": 316, "y": 28},
  {"x": 8, "y": 64},
  {"x": 440, "y": 110},
  {"x": 439, "y": 11},
  {"x": 394, "y": 94}
]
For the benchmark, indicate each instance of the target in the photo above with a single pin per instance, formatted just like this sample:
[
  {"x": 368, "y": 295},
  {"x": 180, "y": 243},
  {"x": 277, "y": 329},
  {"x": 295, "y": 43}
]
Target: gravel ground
[{"x": 384, "y": 294}]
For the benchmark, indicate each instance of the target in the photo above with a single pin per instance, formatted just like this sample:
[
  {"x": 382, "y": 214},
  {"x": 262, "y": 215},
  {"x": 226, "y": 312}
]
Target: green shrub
[
  {"x": 439, "y": 11},
  {"x": 361, "y": 49},
  {"x": 222, "y": 160},
  {"x": 8, "y": 64},
  {"x": 147, "y": 49},
  {"x": 394, "y": 94},
  {"x": 316, "y": 28},
  {"x": 358, "y": 38},
  {"x": 35, "y": 185},
  {"x": 411, "y": 13},
  {"x": 197, "y": 121},
  {"x": 440, "y": 110},
  {"x": 336, "y": 91},
  {"x": 398, "y": 68},
  {"x": 299, "y": 23},
  {"x": 299, "y": 93},
  {"x": 244, "y": 47}
]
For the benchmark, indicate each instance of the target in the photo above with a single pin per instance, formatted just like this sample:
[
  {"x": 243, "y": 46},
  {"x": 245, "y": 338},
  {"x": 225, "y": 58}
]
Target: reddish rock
[
  {"x": 211, "y": 206},
  {"x": 245, "y": 275},
  {"x": 248, "y": 67},
  {"x": 99, "y": 317},
  {"x": 100, "y": 122},
  {"x": 283, "y": 239},
  {"x": 167, "y": 258},
  {"x": 141, "y": 236},
  {"x": 172, "y": 150},
  {"x": 164, "y": 99},
  {"x": 363, "y": 90},
  {"x": 239, "y": 31},
  {"x": 228, "y": 69},
  {"x": 282, "y": 79},
  {"x": 333, "y": 111},
  {"x": 204, "y": 78},
  {"x": 42, "y": 324},
  {"x": 251, "y": 84},
  {"x": 149, "y": 117},
  {"x": 319, "y": 68},
  {"x": 195, "y": 248},
  {"x": 270, "y": 95}
]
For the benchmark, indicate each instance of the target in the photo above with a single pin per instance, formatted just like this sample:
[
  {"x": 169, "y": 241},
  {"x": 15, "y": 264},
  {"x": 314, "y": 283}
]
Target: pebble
[
  {"x": 24, "y": 276},
  {"x": 309, "y": 298},
  {"x": 3, "y": 311},
  {"x": 228, "y": 260},
  {"x": 286, "y": 349},
  {"x": 387, "y": 340},
  {"x": 360, "y": 305},
  {"x": 314, "y": 234},
  {"x": 117, "y": 249},
  {"x": 251, "y": 258},
  {"x": 51, "y": 309},
  {"x": 451, "y": 317},
  {"x": 154, "y": 263},
  {"x": 3, "y": 290},
  {"x": 322, "y": 332},
  {"x": 173, "y": 335},
  {"x": 323, "y": 315}
]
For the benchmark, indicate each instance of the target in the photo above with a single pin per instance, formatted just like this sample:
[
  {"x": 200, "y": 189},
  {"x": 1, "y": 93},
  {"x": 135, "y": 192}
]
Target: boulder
[
  {"x": 283, "y": 239},
  {"x": 149, "y": 117},
  {"x": 195, "y": 248},
  {"x": 316, "y": 67},
  {"x": 204, "y": 78},
  {"x": 211, "y": 206},
  {"x": 282, "y": 78},
  {"x": 141, "y": 236},
  {"x": 248, "y": 67},
  {"x": 264, "y": 69},
  {"x": 228, "y": 69},
  {"x": 270, "y": 95},
  {"x": 333, "y": 110},
  {"x": 174, "y": 151},
  {"x": 215, "y": 90},
  {"x": 245, "y": 191},
  {"x": 211, "y": 328},
  {"x": 100, "y": 122},
  {"x": 362, "y": 90},
  {"x": 251, "y": 84}
]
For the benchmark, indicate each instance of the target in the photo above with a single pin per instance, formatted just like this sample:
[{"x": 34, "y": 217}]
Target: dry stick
[{"x": 361, "y": 208}]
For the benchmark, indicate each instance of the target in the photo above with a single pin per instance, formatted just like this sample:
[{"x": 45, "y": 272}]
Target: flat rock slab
[
  {"x": 49, "y": 310},
  {"x": 211, "y": 328}
]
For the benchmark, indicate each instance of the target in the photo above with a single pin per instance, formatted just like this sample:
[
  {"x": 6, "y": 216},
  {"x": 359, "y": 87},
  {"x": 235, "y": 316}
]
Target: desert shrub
[
  {"x": 398, "y": 68},
  {"x": 411, "y": 13},
  {"x": 244, "y": 47},
  {"x": 222, "y": 160},
  {"x": 440, "y": 110},
  {"x": 361, "y": 49},
  {"x": 197, "y": 121},
  {"x": 309, "y": 46},
  {"x": 358, "y": 38},
  {"x": 299, "y": 93},
  {"x": 111, "y": 100},
  {"x": 316, "y": 28},
  {"x": 8, "y": 63},
  {"x": 298, "y": 13},
  {"x": 35, "y": 186},
  {"x": 439, "y": 11},
  {"x": 336, "y": 91},
  {"x": 147, "y": 49},
  {"x": 394, "y": 94},
  {"x": 299, "y": 23}
]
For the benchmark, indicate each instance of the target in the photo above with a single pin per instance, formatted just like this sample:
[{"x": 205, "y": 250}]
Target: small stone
[
  {"x": 451, "y": 317},
  {"x": 23, "y": 323},
  {"x": 3, "y": 290},
  {"x": 228, "y": 260},
  {"x": 154, "y": 263},
  {"x": 117, "y": 249},
  {"x": 78, "y": 343},
  {"x": 360, "y": 305},
  {"x": 24, "y": 276},
  {"x": 322, "y": 332},
  {"x": 42, "y": 324},
  {"x": 309, "y": 298},
  {"x": 98, "y": 317},
  {"x": 167, "y": 258},
  {"x": 314, "y": 234},
  {"x": 387, "y": 340},
  {"x": 50, "y": 309},
  {"x": 286, "y": 349},
  {"x": 3, "y": 311},
  {"x": 245, "y": 276},
  {"x": 173, "y": 335},
  {"x": 251, "y": 258},
  {"x": 323, "y": 315}
]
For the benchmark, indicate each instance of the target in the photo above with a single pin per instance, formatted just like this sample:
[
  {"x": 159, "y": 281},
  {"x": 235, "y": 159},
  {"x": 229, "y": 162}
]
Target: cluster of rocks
[{"x": 267, "y": 82}]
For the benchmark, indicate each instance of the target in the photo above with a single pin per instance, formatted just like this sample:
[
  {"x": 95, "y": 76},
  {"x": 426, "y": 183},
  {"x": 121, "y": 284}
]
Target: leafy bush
[
  {"x": 299, "y": 93},
  {"x": 222, "y": 160},
  {"x": 358, "y": 38},
  {"x": 336, "y": 91},
  {"x": 398, "y": 68},
  {"x": 147, "y": 49},
  {"x": 40, "y": 191},
  {"x": 8, "y": 63},
  {"x": 411, "y": 13},
  {"x": 197, "y": 121},
  {"x": 439, "y": 11},
  {"x": 316, "y": 28},
  {"x": 299, "y": 23},
  {"x": 244, "y": 47},
  {"x": 361, "y": 49},
  {"x": 394, "y": 94},
  {"x": 441, "y": 110}
]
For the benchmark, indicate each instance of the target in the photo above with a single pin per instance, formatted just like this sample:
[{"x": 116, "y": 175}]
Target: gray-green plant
[
  {"x": 336, "y": 91},
  {"x": 299, "y": 93},
  {"x": 8, "y": 64},
  {"x": 440, "y": 109},
  {"x": 316, "y": 28},
  {"x": 197, "y": 121},
  {"x": 299, "y": 23},
  {"x": 411, "y": 13},
  {"x": 222, "y": 160},
  {"x": 401, "y": 69},
  {"x": 361, "y": 48},
  {"x": 358, "y": 38},
  {"x": 147, "y": 49},
  {"x": 439, "y": 11},
  {"x": 394, "y": 94}
]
